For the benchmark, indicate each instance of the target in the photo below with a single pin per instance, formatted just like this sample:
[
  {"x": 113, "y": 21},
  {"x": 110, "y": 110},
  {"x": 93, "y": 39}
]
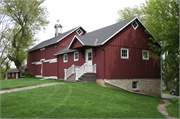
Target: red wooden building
[
  {"x": 15, "y": 73},
  {"x": 115, "y": 55}
]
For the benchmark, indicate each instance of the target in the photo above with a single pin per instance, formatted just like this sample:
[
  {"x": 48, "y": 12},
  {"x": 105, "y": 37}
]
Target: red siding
[
  {"x": 62, "y": 65},
  {"x": 50, "y": 51},
  {"x": 37, "y": 69},
  {"x": 76, "y": 44},
  {"x": 49, "y": 69},
  {"x": 134, "y": 67},
  {"x": 13, "y": 77}
]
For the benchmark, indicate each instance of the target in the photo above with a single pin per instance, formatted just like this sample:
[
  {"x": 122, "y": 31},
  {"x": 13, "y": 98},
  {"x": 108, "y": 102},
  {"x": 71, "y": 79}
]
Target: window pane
[
  {"x": 124, "y": 53},
  {"x": 134, "y": 85},
  {"x": 145, "y": 55},
  {"x": 89, "y": 56},
  {"x": 76, "y": 55}
]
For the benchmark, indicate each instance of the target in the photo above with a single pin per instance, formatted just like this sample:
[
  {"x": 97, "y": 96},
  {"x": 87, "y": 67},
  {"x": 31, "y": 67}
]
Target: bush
[
  {"x": 30, "y": 75},
  {"x": 174, "y": 100}
]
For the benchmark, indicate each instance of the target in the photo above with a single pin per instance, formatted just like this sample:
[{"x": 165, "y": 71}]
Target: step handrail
[
  {"x": 83, "y": 69},
  {"x": 69, "y": 72}
]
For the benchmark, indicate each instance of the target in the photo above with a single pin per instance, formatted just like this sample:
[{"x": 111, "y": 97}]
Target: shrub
[{"x": 174, "y": 100}]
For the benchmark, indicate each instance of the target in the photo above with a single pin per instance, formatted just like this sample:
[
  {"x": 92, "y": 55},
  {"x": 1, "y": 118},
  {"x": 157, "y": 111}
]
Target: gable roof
[
  {"x": 101, "y": 36},
  {"x": 16, "y": 70},
  {"x": 53, "y": 40}
]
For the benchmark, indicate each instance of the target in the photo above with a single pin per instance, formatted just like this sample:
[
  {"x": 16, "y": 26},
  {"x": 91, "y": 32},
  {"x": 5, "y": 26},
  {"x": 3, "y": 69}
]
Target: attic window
[
  {"x": 134, "y": 25},
  {"x": 79, "y": 32}
]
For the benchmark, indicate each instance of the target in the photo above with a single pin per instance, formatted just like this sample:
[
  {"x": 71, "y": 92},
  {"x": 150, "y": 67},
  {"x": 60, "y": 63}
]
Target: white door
[
  {"x": 17, "y": 75},
  {"x": 89, "y": 57}
]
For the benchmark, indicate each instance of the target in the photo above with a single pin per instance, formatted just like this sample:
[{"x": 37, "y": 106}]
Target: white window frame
[
  {"x": 75, "y": 57},
  {"x": 12, "y": 74},
  {"x": 122, "y": 57},
  {"x": 42, "y": 49},
  {"x": 144, "y": 57},
  {"x": 64, "y": 58},
  {"x": 78, "y": 32},
  {"x": 136, "y": 26},
  {"x": 21, "y": 75},
  {"x": 136, "y": 85}
]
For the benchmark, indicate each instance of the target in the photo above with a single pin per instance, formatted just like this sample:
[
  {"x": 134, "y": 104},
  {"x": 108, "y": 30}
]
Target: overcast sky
[{"x": 90, "y": 14}]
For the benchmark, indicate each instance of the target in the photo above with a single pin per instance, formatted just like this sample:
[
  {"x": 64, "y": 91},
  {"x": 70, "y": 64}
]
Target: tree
[
  {"x": 162, "y": 20},
  {"x": 28, "y": 18}
]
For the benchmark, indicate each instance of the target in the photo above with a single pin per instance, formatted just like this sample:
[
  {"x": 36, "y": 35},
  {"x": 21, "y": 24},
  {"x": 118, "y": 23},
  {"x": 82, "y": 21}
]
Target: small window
[
  {"x": 65, "y": 57},
  {"x": 22, "y": 75},
  {"x": 135, "y": 85},
  {"x": 124, "y": 53},
  {"x": 89, "y": 56},
  {"x": 8, "y": 74},
  {"x": 145, "y": 55},
  {"x": 76, "y": 56},
  {"x": 79, "y": 31},
  {"x": 134, "y": 25},
  {"x": 12, "y": 74}
]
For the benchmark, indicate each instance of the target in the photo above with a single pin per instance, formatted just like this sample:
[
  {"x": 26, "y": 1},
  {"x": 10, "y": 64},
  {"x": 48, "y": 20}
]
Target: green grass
[
  {"x": 78, "y": 100},
  {"x": 23, "y": 82},
  {"x": 173, "y": 110},
  {"x": 165, "y": 92}
]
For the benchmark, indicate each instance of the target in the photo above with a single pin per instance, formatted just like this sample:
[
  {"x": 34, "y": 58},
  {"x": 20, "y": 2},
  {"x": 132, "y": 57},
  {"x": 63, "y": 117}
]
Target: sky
[{"x": 89, "y": 14}]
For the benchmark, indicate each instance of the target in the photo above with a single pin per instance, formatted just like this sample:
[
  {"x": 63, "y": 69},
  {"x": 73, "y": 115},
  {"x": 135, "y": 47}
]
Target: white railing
[
  {"x": 85, "y": 69},
  {"x": 69, "y": 72}
]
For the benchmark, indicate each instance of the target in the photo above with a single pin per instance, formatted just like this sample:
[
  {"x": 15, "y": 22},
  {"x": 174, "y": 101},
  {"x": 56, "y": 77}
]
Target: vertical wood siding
[
  {"x": 134, "y": 67},
  {"x": 49, "y": 69},
  {"x": 76, "y": 44}
]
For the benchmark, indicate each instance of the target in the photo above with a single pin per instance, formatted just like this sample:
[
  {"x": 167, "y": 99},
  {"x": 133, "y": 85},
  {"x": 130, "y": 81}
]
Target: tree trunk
[{"x": 169, "y": 84}]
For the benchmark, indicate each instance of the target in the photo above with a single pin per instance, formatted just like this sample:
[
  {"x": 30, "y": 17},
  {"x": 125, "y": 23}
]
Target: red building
[
  {"x": 15, "y": 73},
  {"x": 115, "y": 55}
]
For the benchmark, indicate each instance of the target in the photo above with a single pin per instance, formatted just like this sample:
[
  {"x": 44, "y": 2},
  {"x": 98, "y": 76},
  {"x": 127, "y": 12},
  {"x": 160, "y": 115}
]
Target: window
[
  {"x": 134, "y": 25},
  {"x": 65, "y": 57},
  {"x": 145, "y": 55},
  {"x": 22, "y": 75},
  {"x": 12, "y": 74},
  {"x": 89, "y": 56},
  {"x": 8, "y": 74},
  {"x": 79, "y": 31},
  {"x": 76, "y": 56},
  {"x": 124, "y": 53},
  {"x": 135, "y": 85}
]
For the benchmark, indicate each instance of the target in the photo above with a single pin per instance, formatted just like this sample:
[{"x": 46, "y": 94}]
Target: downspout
[{"x": 161, "y": 73}]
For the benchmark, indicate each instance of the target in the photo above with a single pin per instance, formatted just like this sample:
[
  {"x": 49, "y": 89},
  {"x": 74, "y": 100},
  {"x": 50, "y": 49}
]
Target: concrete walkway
[
  {"x": 29, "y": 87},
  {"x": 169, "y": 96}
]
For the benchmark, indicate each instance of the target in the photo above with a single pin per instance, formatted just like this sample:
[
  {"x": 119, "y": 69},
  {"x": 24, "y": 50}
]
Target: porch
[{"x": 84, "y": 73}]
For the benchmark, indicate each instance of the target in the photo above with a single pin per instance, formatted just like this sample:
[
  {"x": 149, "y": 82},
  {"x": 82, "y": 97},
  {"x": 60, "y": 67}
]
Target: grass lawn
[
  {"x": 78, "y": 100},
  {"x": 173, "y": 110},
  {"x": 165, "y": 91},
  {"x": 23, "y": 82}
]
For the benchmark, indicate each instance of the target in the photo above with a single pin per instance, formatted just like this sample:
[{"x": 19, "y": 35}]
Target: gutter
[{"x": 126, "y": 89}]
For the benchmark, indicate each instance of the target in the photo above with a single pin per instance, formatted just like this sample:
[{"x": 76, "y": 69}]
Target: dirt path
[
  {"x": 29, "y": 87},
  {"x": 162, "y": 109}
]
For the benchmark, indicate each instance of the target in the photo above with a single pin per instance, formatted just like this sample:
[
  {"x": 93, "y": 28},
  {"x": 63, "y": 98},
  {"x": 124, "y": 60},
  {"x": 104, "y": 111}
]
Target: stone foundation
[{"x": 145, "y": 86}]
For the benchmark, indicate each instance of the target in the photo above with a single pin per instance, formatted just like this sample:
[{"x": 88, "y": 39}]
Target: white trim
[
  {"x": 21, "y": 75},
  {"x": 73, "y": 40},
  {"x": 38, "y": 63},
  {"x": 64, "y": 58},
  {"x": 118, "y": 31},
  {"x": 42, "y": 59},
  {"x": 53, "y": 60},
  {"x": 136, "y": 26},
  {"x": 46, "y": 61},
  {"x": 33, "y": 63},
  {"x": 12, "y": 74},
  {"x": 42, "y": 49},
  {"x": 69, "y": 33},
  {"x": 79, "y": 33},
  {"x": 38, "y": 76},
  {"x": 9, "y": 74},
  {"x": 17, "y": 75},
  {"x": 127, "y": 53},
  {"x": 143, "y": 58},
  {"x": 52, "y": 77},
  {"x": 74, "y": 56}
]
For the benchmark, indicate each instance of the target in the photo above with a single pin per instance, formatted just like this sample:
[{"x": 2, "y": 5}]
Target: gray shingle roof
[
  {"x": 65, "y": 50},
  {"x": 103, "y": 34},
  {"x": 52, "y": 40},
  {"x": 16, "y": 70}
]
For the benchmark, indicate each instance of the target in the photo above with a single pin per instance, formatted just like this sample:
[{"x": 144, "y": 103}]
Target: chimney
[{"x": 58, "y": 29}]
